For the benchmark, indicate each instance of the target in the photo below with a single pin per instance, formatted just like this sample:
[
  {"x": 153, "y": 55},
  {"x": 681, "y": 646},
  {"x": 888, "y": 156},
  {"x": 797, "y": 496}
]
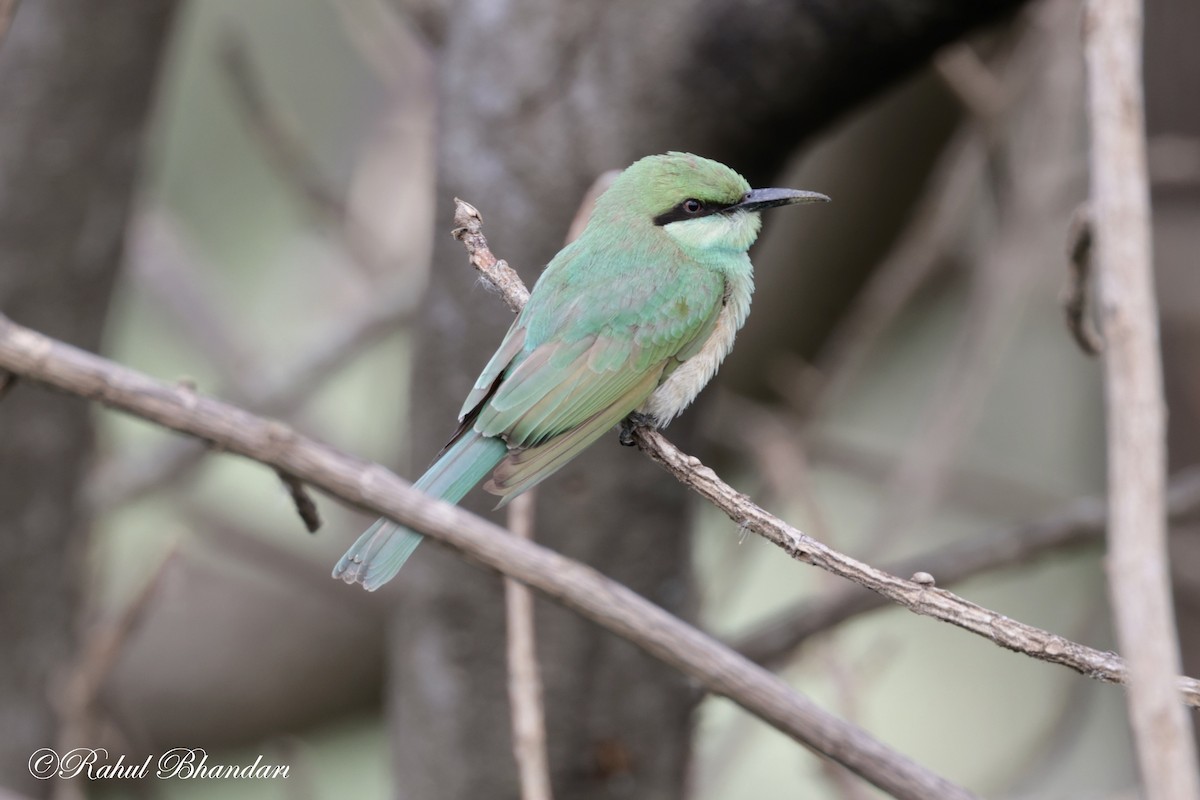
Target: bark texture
[{"x": 76, "y": 78}]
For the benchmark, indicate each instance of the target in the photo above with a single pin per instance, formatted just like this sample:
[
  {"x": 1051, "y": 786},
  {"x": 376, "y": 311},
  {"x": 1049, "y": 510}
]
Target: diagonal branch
[
  {"x": 920, "y": 598},
  {"x": 42, "y": 360},
  {"x": 1080, "y": 524}
]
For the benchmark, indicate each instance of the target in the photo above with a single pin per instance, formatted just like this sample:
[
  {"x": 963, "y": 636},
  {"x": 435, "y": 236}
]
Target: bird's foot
[{"x": 631, "y": 423}]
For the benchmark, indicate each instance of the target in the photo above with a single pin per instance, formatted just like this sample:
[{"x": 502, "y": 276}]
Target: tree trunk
[{"x": 76, "y": 78}]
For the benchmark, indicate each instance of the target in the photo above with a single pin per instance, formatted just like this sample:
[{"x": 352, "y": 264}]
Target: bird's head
[{"x": 702, "y": 205}]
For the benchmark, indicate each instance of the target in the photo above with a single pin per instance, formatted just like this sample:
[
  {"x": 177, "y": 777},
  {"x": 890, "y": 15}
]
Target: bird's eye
[{"x": 693, "y": 206}]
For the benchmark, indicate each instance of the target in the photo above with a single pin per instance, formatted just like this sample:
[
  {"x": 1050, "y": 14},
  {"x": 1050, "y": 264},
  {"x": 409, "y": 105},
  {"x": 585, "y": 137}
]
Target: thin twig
[
  {"x": 1080, "y": 524},
  {"x": 917, "y": 597},
  {"x": 524, "y": 678},
  {"x": 928, "y": 601},
  {"x": 1138, "y": 567},
  {"x": 499, "y": 275},
  {"x": 374, "y": 489},
  {"x": 306, "y": 507}
]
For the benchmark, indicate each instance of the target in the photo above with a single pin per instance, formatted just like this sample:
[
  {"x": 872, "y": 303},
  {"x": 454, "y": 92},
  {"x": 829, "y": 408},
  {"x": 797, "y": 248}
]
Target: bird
[{"x": 629, "y": 320}]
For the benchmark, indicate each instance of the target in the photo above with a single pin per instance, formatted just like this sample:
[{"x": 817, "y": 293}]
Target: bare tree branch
[
  {"x": 372, "y": 488},
  {"x": 498, "y": 274},
  {"x": 524, "y": 678},
  {"x": 1138, "y": 569},
  {"x": 1080, "y": 524},
  {"x": 918, "y": 597}
]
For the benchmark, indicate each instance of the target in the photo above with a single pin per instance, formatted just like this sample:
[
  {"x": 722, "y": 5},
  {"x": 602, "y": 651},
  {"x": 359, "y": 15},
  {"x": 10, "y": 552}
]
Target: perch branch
[
  {"x": 919, "y": 598},
  {"x": 495, "y": 271},
  {"x": 370, "y": 487},
  {"x": 1079, "y": 524},
  {"x": 1139, "y": 576}
]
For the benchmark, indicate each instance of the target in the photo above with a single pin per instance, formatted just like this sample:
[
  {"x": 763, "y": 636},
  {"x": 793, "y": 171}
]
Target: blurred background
[{"x": 255, "y": 198}]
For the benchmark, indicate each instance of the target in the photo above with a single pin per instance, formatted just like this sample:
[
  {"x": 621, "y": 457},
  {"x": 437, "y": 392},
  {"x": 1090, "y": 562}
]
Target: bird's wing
[
  {"x": 524, "y": 468},
  {"x": 508, "y": 350},
  {"x": 583, "y": 359}
]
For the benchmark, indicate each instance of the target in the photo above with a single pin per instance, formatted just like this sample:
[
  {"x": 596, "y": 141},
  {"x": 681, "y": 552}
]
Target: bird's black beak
[{"x": 758, "y": 199}]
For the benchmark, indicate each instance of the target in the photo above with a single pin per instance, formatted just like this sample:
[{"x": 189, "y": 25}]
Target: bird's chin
[{"x": 716, "y": 233}]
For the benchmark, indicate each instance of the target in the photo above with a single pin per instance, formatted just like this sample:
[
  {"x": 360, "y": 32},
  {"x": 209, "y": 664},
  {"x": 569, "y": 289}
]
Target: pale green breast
[{"x": 680, "y": 388}]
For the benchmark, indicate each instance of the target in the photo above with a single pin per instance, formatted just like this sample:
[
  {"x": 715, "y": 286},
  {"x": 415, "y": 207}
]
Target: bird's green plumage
[
  {"x": 382, "y": 550},
  {"x": 639, "y": 293},
  {"x": 604, "y": 324}
]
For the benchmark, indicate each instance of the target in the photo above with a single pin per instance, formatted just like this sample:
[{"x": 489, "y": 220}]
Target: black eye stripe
[{"x": 679, "y": 212}]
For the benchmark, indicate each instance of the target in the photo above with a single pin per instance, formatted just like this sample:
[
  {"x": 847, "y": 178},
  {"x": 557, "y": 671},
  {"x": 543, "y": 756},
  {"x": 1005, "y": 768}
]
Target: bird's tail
[{"x": 382, "y": 550}]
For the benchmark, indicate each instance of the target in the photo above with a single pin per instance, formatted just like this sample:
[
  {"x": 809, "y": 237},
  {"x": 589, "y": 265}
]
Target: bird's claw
[{"x": 629, "y": 426}]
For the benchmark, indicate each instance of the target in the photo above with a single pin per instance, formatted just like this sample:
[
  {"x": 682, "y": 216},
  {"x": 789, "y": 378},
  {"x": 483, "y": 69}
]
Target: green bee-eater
[{"x": 634, "y": 316}]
